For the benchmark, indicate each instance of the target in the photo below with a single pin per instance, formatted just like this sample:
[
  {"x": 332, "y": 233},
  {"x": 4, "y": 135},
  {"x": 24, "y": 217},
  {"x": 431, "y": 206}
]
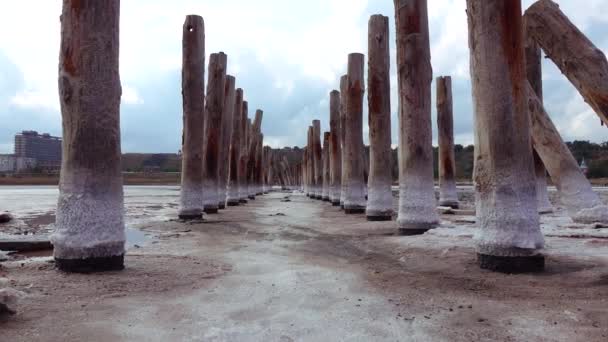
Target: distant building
[
  {"x": 44, "y": 148},
  {"x": 12, "y": 164}
]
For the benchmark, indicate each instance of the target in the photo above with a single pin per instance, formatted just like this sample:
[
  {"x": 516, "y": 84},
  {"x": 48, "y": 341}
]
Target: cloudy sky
[{"x": 286, "y": 55}]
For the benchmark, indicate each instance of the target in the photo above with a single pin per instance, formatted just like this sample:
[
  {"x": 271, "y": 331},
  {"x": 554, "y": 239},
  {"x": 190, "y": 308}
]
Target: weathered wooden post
[
  {"x": 214, "y": 107},
  {"x": 90, "y": 229},
  {"x": 250, "y": 159},
  {"x": 193, "y": 85},
  {"x": 576, "y": 193},
  {"x": 268, "y": 181},
  {"x": 259, "y": 166},
  {"x": 354, "y": 201},
  {"x": 305, "y": 170},
  {"x": 310, "y": 163},
  {"x": 448, "y": 197},
  {"x": 255, "y": 131},
  {"x": 380, "y": 195},
  {"x": 226, "y": 137},
  {"x": 535, "y": 77},
  {"x": 574, "y": 54},
  {"x": 335, "y": 148},
  {"x": 510, "y": 238},
  {"x": 318, "y": 159},
  {"x": 326, "y": 171},
  {"x": 242, "y": 171},
  {"x": 235, "y": 150},
  {"x": 343, "y": 102},
  {"x": 417, "y": 204}
]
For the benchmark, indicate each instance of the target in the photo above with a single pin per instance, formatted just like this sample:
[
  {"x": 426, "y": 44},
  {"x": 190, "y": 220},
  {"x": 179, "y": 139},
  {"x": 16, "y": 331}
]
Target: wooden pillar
[
  {"x": 535, "y": 77},
  {"x": 335, "y": 148},
  {"x": 510, "y": 238},
  {"x": 90, "y": 230},
  {"x": 417, "y": 204},
  {"x": 326, "y": 171},
  {"x": 354, "y": 201},
  {"x": 242, "y": 171},
  {"x": 255, "y": 131},
  {"x": 311, "y": 163},
  {"x": 214, "y": 107},
  {"x": 235, "y": 150},
  {"x": 193, "y": 85},
  {"x": 448, "y": 197},
  {"x": 259, "y": 166},
  {"x": 574, "y": 54},
  {"x": 576, "y": 194},
  {"x": 305, "y": 170},
  {"x": 317, "y": 160},
  {"x": 226, "y": 137},
  {"x": 343, "y": 102},
  {"x": 380, "y": 195}
]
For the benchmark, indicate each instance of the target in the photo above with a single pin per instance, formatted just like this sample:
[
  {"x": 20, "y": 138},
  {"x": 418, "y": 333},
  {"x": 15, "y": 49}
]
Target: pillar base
[
  {"x": 379, "y": 218},
  {"x": 352, "y": 211},
  {"x": 91, "y": 265},
  {"x": 234, "y": 203},
  {"x": 412, "y": 232},
  {"x": 514, "y": 264},
  {"x": 211, "y": 210},
  {"x": 187, "y": 217}
]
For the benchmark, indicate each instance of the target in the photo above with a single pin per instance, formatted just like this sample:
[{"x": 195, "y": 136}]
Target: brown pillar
[
  {"x": 535, "y": 77},
  {"x": 576, "y": 194},
  {"x": 335, "y": 149},
  {"x": 227, "y": 120},
  {"x": 354, "y": 201},
  {"x": 343, "y": 102},
  {"x": 255, "y": 132},
  {"x": 317, "y": 160},
  {"x": 214, "y": 107},
  {"x": 417, "y": 204},
  {"x": 259, "y": 169},
  {"x": 326, "y": 171},
  {"x": 305, "y": 170},
  {"x": 311, "y": 163},
  {"x": 574, "y": 54},
  {"x": 193, "y": 85},
  {"x": 249, "y": 137},
  {"x": 380, "y": 195},
  {"x": 90, "y": 230},
  {"x": 242, "y": 170},
  {"x": 510, "y": 238},
  {"x": 448, "y": 197},
  {"x": 235, "y": 150}
]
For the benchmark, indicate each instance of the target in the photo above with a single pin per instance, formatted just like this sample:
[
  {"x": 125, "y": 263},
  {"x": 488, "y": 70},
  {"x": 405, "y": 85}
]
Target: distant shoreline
[
  {"x": 161, "y": 178},
  {"x": 129, "y": 179}
]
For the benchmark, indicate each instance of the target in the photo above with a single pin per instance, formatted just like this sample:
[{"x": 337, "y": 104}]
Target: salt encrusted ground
[{"x": 303, "y": 271}]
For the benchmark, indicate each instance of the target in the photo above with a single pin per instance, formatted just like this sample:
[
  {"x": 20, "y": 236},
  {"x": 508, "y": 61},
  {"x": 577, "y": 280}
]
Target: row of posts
[
  {"x": 514, "y": 137},
  {"x": 223, "y": 155},
  {"x": 509, "y": 120}
]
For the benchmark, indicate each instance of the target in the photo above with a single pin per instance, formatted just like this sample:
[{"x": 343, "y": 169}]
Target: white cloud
[
  {"x": 35, "y": 100},
  {"x": 130, "y": 96}
]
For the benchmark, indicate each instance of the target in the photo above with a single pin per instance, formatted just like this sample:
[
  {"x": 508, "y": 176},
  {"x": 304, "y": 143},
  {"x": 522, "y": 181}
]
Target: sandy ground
[{"x": 303, "y": 271}]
